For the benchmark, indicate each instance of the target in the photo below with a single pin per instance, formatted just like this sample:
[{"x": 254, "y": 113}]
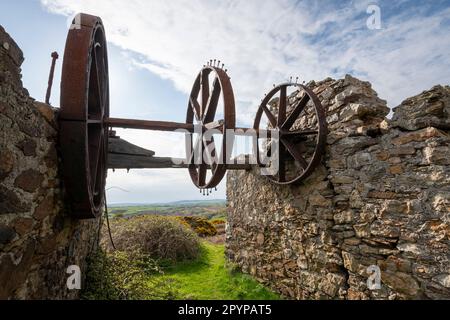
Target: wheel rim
[
  {"x": 291, "y": 145},
  {"x": 84, "y": 106},
  {"x": 204, "y": 113}
]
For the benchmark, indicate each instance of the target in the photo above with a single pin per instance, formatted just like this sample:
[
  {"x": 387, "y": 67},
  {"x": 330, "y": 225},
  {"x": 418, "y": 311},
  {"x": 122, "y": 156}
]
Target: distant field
[{"x": 211, "y": 209}]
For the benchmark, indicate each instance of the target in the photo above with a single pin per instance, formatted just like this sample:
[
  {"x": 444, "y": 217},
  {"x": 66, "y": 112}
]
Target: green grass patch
[{"x": 209, "y": 278}]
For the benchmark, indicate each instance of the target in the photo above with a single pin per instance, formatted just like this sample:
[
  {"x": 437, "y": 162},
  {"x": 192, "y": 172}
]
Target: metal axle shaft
[{"x": 174, "y": 126}]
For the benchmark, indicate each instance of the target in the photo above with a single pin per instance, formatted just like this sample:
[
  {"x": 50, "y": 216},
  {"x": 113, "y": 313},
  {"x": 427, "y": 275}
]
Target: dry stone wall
[
  {"x": 380, "y": 198},
  {"x": 38, "y": 240}
]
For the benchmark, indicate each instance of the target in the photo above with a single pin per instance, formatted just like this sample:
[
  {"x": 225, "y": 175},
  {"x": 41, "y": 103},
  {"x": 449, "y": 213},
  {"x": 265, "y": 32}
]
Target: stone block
[
  {"x": 29, "y": 180},
  {"x": 419, "y": 136}
]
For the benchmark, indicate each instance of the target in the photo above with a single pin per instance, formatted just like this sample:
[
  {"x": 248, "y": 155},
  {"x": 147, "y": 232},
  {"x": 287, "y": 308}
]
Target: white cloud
[{"x": 266, "y": 42}]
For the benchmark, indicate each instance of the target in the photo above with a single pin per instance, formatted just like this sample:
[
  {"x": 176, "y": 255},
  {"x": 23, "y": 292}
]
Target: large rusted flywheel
[{"x": 84, "y": 107}]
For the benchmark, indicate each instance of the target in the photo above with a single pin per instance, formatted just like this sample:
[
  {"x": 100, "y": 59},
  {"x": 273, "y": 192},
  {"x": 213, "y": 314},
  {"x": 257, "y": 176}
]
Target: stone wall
[
  {"x": 381, "y": 197},
  {"x": 38, "y": 240}
]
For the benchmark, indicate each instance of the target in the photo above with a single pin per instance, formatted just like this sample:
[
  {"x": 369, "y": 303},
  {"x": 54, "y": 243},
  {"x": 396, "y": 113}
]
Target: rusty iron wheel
[
  {"x": 208, "y": 173},
  {"x": 291, "y": 141},
  {"x": 84, "y": 108}
]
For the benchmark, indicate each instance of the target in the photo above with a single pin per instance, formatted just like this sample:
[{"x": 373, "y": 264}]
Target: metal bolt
[{"x": 6, "y": 45}]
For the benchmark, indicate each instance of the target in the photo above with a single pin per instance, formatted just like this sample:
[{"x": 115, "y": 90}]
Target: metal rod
[
  {"x": 148, "y": 125},
  {"x": 55, "y": 57},
  {"x": 173, "y": 126}
]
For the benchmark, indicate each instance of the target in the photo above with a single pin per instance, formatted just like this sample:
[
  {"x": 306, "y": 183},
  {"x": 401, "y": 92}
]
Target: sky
[{"x": 156, "y": 48}]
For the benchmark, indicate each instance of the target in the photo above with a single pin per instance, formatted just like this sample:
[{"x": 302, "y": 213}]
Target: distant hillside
[
  {"x": 173, "y": 204},
  {"x": 210, "y": 209}
]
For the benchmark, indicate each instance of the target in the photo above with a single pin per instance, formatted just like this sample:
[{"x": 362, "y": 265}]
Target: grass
[{"x": 208, "y": 278}]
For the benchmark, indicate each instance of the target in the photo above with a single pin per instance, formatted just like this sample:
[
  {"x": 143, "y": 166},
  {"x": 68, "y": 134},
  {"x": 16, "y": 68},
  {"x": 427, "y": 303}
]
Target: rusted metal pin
[{"x": 55, "y": 57}]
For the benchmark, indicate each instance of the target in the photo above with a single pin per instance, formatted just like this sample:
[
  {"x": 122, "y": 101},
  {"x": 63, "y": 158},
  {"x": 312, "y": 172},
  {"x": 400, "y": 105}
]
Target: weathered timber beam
[
  {"x": 122, "y": 161},
  {"x": 148, "y": 125},
  {"x": 125, "y": 155},
  {"x": 126, "y": 161},
  {"x": 120, "y": 146}
]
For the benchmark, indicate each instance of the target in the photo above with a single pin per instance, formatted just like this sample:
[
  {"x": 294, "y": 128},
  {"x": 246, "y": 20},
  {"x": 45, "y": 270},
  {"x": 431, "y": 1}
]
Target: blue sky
[{"x": 157, "y": 47}]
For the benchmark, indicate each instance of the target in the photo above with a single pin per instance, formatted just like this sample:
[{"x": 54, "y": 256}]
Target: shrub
[
  {"x": 121, "y": 275},
  {"x": 161, "y": 238},
  {"x": 218, "y": 221},
  {"x": 201, "y": 226}
]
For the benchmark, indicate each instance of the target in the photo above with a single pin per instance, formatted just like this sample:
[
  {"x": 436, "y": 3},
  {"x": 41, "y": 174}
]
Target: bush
[
  {"x": 201, "y": 226},
  {"x": 218, "y": 221},
  {"x": 123, "y": 275},
  {"x": 161, "y": 238}
]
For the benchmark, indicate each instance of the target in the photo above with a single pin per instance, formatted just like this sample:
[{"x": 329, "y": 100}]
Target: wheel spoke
[
  {"x": 202, "y": 171},
  {"x": 295, "y": 113},
  {"x": 213, "y": 101},
  {"x": 98, "y": 157},
  {"x": 98, "y": 80},
  {"x": 213, "y": 159},
  {"x": 205, "y": 91},
  {"x": 195, "y": 106},
  {"x": 309, "y": 132},
  {"x": 282, "y": 106},
  {"x": 196, "y": 150},
  {"x": 281, "y": 175},
  {"x": 270, "y": 116},
  {"x": 296, "y": 154}
]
